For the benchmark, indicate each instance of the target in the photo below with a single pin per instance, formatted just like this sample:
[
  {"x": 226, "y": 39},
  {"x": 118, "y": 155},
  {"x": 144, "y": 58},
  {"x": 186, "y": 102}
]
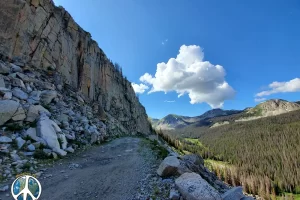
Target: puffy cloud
[
  {"x": 189, "y": 74},
  {"x": 259, "y": 99},
  {"x": 147, "y": 78},
  {"x": 139, "y": 88},
  {"x": 281, "y": 87},
  {"x": 167, "y": 101}
]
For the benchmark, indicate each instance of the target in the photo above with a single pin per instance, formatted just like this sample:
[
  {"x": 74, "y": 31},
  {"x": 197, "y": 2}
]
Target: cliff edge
[{"x": 37, "y": 33}]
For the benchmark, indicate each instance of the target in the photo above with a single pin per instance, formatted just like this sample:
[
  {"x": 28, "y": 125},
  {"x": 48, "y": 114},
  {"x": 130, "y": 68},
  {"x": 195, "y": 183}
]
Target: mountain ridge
[{"x": 267, "y": 108}]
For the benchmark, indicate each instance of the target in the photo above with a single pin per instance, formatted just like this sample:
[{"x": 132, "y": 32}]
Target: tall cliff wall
[{"x": 37, "y": 33}]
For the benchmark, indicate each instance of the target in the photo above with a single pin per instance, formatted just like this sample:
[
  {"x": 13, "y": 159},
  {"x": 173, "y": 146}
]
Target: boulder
[
  {"x": 235, "y": 193},
  {"x": 47, "y": 96},
  {"x": 7, "y": 95},
  {"x": 15, "y": 156},
  {"x": 70, "y": 149},
  {"x": 169, "y": 167},
  {"x": 3, "y": 90},
  {"x": 193, "y": 159},
  {"x": 63, "y": 140},
  {"x": 34, "y": 97},
  {"x": 20, "y": 142},
  {"x": 19, "y": 114},
  {"x": 15, "y": 68},
  {"x": 47, "y": 151},
  {"x": 31, "y": 132},
  {"x": 34, "y": 112},
  {"x": 47, "y": 129},
  {"x": 23, "y": 77},
  {"x": 17, "y": 92},
  {"x": 4, "y": 69},
  {"x": 193, "y": 187},
  {"x": 16, "y": 82},
  {"x": 60, "y": 152},
  {"x": 5, "y": 139},
  {"x": 31, "y": 147},
  {"x": 7, "y": 109},
  {"x": 174, "y": 195}
]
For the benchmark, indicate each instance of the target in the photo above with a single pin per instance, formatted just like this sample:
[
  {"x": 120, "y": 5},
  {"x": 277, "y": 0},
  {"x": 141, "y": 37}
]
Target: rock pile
[
  {"x": 196, "y": 182},
  {"x": 41, "y": 119}
]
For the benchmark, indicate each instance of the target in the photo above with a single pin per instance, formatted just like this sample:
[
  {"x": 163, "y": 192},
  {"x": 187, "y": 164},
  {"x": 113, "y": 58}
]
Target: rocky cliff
[{"x": 38, "y": 34}]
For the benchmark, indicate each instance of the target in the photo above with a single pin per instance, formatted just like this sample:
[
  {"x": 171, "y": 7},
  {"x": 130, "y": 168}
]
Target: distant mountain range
[{"x": 217, "y": 117}]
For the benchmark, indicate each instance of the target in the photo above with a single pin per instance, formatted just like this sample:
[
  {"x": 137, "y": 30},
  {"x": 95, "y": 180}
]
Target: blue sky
[{"x": 256, "y": 43}]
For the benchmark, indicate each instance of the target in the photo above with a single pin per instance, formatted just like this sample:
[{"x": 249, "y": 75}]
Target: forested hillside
[{"x": 262, "y": 155}]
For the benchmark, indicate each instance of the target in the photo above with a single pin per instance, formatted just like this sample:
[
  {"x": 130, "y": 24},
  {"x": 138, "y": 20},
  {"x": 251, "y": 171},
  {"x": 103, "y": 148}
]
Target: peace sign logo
[{"x": 26, "y": 188}]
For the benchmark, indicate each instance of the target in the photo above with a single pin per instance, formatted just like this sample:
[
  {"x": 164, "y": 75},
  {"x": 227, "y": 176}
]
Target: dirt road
[{"x": 110, "y": 171}]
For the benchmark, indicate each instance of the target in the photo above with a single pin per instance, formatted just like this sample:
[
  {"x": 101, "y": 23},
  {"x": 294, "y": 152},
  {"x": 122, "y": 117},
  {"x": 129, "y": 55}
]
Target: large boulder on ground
[
  {"x": 19, "y": 114},
  {"x": 47, "y": 129},
  {"x": 63, "y": 140},
  {"x": 16, "y": 82},
  {"x": 17, "y": 92},
  {"x": 47, "y": 96},
  {"x": 15, "y": 68},
  {"x": 34, "y": 97},
  {"x": 169, "y": 166},
  {"x": 5, "y": 139},
  {"x": 193, "y": 159},
  {"x": 31, "y": 132},
  {"x": 20, "y": 142},
  {"x": 235, "y": 193},
  {"x": 193, "y": 187},
  {"x": 34, "y": 112},
  {"x": 4, "y": 69},
  {"x": 7, "y": 110}
]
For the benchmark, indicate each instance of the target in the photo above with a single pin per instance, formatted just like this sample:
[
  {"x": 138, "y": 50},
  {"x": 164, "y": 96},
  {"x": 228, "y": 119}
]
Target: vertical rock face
[{"x": 37, "y": 33}]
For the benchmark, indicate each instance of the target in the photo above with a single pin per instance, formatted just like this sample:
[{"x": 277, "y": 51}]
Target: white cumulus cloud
[
  {"x": 189, "y": 74},
  {"x": 281, "y": 87},
  {"x": 139, "y": 88}
]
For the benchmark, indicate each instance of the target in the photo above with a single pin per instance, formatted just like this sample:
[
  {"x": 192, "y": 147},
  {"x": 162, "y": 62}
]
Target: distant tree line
[{"x": 264, "y": 154}]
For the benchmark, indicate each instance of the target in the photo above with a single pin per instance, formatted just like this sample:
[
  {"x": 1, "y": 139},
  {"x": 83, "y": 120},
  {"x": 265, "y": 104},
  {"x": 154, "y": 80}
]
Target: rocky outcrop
[
  {"x": 47, "y": 130},
  {"x": 195, "y": 181},
  {"x": 169, "y": 166},
  {"x": 39, "y": 34},
  {"x": 193, "y": 187},
  {"x": 235, "y": 193},
  {"x": 273, "y": 107},
  {"x": 41, "y": 120}
]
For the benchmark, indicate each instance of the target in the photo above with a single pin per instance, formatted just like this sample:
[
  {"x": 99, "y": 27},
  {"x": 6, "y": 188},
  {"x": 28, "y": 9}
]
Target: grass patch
[
  {"x": 14, "y": 127},
  {"x": 160, "y": 151},
  {"x": 194, "y": 141},
  {"x": 48, "y": 107},
  {"x": 288, "y": 196},
  {"x": 40, "y": 154},
  {"x": 33, "y": 124},
  {"x": 26, "y": 167},
  {"x": 213, "y": 164},
  {"x": 255, "y": 112}
]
